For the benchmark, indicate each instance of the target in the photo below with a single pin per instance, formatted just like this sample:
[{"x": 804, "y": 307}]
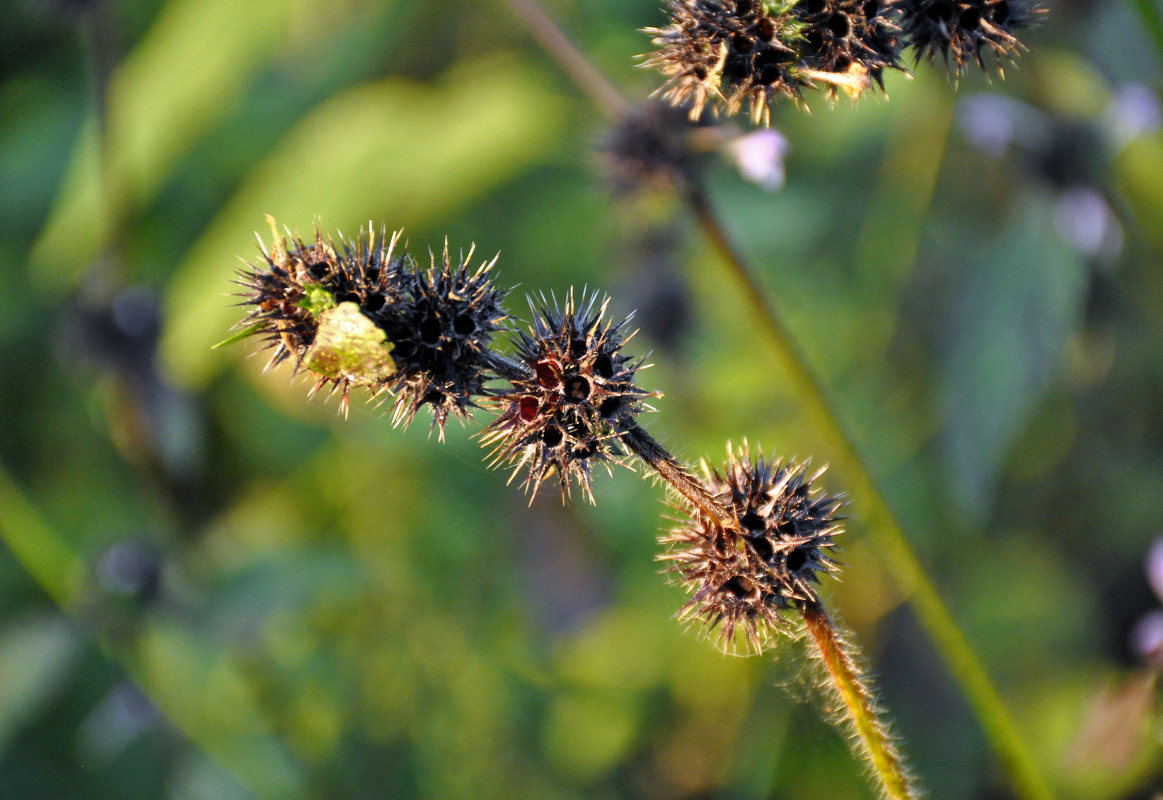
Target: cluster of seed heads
[
  {"x": 731, "y": 54},
  {"x": 364, "y": 313}
]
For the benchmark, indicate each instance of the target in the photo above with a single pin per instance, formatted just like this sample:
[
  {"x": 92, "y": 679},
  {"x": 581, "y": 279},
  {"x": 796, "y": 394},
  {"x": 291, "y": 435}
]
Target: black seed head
[
  {"x": 851, "y": 42},
  {"x": 296, "y": 281}
]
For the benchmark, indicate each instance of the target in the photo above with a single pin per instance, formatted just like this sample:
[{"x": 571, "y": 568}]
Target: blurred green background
[{"x": 211, "y": 588}]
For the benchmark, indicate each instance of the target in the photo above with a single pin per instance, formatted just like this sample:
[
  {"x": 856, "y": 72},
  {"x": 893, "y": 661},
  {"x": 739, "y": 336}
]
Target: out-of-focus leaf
[
  {"x": 391, "y": 149},
  {"x": 35, "y": 655},
  {"x": 1021, "y": 298},
  {"x": 205, "y": 695},
  {"x": 185, "y": 75},
  {"x": 43, "y": 553},
  {"x": 1138, "y": 167},
  {"x": 588, "y": 733}
]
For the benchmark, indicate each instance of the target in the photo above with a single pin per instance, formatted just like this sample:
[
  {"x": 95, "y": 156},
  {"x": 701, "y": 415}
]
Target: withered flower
[
  {"x": 730, "y": 53},
  {"x": 848, "y": 43},
  {"x": 298, "y": 284}
]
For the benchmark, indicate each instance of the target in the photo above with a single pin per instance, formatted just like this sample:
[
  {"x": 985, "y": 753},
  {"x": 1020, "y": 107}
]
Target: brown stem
[
  {"x": 579, "y": 68},
  {"x": 872, "y": 741},
  {"x": 670, "y": 470}
]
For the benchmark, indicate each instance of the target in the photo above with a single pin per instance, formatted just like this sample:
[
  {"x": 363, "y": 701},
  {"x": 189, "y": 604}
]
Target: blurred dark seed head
[
  {"x": 131, "y": 569},
  {"x": 962, "y": 31},
  {"x": 1072, "y": 153},
  {"x": 728, "y": 53},
  {"x": 741, "y": 579},
  {"x": 849, "y": 37},
  {"x": 120, "y": 331},
  {"x": 576, "y": 398},
  {"x": 649, "y": 149},
  {"x": 441, "y": 325},
  {"x": 655, "y": 285}
]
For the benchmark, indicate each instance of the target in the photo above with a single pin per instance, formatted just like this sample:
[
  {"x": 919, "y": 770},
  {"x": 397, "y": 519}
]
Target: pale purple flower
[
  {"x": 1085, "y": 219},
  {"x": 759, "y": 157},
  {"x": 1135, "y": 111}
]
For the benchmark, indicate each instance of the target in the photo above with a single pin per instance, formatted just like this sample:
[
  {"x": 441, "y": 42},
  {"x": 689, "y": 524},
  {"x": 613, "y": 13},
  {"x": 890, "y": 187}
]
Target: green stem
[
  {"x": 895, "y": 551},
  {"x": 873, "y": 740},
  {"x": 1152, "y": 20}
]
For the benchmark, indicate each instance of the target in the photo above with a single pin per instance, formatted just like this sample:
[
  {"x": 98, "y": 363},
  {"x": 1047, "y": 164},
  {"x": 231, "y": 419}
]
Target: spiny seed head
[
  {"x": 961, "y": 30},
  {"x": 441, "y": 323},
  {"x": 727, "y": 52},
  {"x": 846, "y": 40},
  {"x": 297, "y": 283},
  {"x": 573, "y": 399},
  {"x": 649, "y": 148},
  {"x": 741, "y": 578}
]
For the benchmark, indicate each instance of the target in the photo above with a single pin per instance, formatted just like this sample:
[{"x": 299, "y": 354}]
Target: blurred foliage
[{"x": 211, "y": 588}]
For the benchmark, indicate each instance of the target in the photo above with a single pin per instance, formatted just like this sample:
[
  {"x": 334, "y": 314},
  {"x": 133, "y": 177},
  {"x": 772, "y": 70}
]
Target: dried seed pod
[
  {"x": 728, "y": 53},
  {"x": 961, "y": 30},
  {"x": 849, "y": 43},
  {"x": 574, "y": 398},
  {"x": 741, "y": 578},
  {"x": 441, "y": 323}
]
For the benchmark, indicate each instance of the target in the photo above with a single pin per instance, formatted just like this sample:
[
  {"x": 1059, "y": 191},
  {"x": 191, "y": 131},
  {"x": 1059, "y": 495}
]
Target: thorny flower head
[
  {"x": 741, "y": 578},
  {"x": 960, "y": 30},
  {"x": 298, "y": 283},
  {"x": 856, "y": 39},
  {"x": 730, "y": 52},
  {"x": 441, "y": 324},
  {"x": 367, "y": 315},
  {"x": 572, "y": 396}
]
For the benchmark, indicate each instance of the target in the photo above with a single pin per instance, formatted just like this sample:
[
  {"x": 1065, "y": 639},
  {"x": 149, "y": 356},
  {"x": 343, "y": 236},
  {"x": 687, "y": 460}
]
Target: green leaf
[
  {"x": 187, "y": 73},
  {"x": 391, "y": 150}
]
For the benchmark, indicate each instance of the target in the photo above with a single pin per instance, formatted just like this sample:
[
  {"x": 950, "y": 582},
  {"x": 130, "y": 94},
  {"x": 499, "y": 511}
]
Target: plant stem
[
  {"x": 873, "y": 740},
  {"x": 670, "y": 470},
  {"x": 897, "y": 553},
  {"x": 575, "y": 64}
]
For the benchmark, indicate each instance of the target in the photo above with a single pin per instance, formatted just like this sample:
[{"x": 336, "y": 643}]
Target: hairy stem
[
  {"x": 674, "y": 473},
  {"x": 899, "y": 556},
  {"x": 873, "y": 741}
]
